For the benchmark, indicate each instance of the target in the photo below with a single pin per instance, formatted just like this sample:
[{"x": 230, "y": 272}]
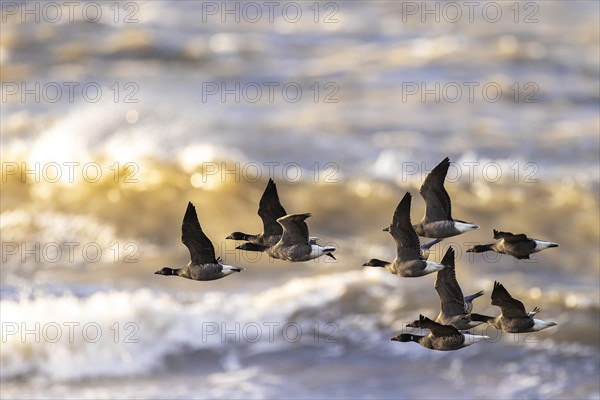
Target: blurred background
[{"x": 115, "y": 115}]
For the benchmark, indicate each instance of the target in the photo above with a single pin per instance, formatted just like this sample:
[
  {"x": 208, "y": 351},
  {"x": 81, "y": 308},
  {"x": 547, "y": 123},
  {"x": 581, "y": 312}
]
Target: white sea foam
[{"x": 139, "y": 328}]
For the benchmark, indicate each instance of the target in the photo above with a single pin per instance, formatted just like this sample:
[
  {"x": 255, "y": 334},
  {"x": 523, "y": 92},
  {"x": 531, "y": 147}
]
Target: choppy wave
[
  {"x": 138, "y": 332},
  {"x": 160, "y": 324}
]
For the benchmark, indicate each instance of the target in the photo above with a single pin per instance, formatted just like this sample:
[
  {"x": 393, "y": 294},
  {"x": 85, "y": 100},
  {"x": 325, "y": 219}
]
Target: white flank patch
[
  {"x": 464, "y": 227},
  {"x": 228, "y": 269},
  {"x": 317, "y": 251},
  {"x": 434, "y": 267},
  {"x": 470, "y": 339},
  {"x": 541, "y": 245},
  {"x": 539, "y": 324}
]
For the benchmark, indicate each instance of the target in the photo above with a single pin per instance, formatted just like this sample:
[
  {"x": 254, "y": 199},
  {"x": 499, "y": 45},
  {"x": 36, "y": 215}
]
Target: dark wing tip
[
  {"x": 448, "y": 259},
  {"x": 405, "y": 202},
  {"x": 499, "y": 291},
  {"x": 496, "y": 284},
  {"x": 190, "y": 213},
  {"x": 445, "y": 163},
  {"x": 495, "y": 233}
]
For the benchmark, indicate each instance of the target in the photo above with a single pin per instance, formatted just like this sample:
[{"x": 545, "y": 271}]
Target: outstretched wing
[
  {"x": 435, "y": 328},
  {"x": 201, "y": 248},
  {"x": 509, "y": 237},
  {"x": 437, "y": 201},
  {"x": 451, "y": 296},
  {"x": 407, "y": 241},
  {"x": 269, "y": 209},
  {"x": 511, "y": 307},
  {"x": 295, "y": 230}
]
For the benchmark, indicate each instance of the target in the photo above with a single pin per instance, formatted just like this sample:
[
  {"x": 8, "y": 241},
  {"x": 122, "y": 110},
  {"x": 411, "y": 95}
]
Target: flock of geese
[{"x": 286, "y": 237}]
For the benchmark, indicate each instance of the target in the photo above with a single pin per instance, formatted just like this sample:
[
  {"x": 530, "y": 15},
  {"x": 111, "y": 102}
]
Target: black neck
[
  {"x": 252, "y": 247},
  {"x": 480, "y": 248}
]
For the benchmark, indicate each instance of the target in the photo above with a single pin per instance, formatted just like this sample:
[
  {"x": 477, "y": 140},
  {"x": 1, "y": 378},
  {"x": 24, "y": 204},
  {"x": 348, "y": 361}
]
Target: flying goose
[
  {"x": 441, "y": 337},
  {"x": 269, "y": 209},
  {"x": 437, "y": 221},
  {"x": 513, "y": 318},
  {"x": 455, "y": 309},
  {"x": 409, "y": 261},
  {"x": 519, "y": 246},
  {"x": 203, "y": 266},
  {"x": 294, "y": 244}
]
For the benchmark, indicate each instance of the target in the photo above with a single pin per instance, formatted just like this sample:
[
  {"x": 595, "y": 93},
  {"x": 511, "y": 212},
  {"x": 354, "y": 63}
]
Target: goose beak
[
  {"x": 553, "y": 245},
  {"x": 395, "y": 339},
  {"x": 331, "y": 255},
  {"x": 229, "y": 237},
  {"x": 387, "y": 229}
]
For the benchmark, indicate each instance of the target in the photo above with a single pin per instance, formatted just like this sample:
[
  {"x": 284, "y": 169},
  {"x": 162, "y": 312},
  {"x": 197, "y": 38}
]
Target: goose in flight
[
  {"x": 437, "y": 221},
  {"x": 409, "y": 261},
  {"x": 269, "y": 210},
  {"x": 203, "y": 265},
  {"x": 455, "y": 308},
  {"x": 441, "y": 337},
  {"x": 519, "y": 246},
  {"x": 295, "y": 244},
  {"x": 513, "y": 318}
]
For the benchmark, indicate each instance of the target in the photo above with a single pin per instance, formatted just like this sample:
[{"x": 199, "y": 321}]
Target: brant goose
[
  {"x": 203, "y": 266},
  {"x": 437, "y": 221},
  {"x": 269, "y": 209},
  {"x": 409, "y": 261},
  {"x": 513, "y": 318},
  {"x": 519, "y": 246},
  {"x": 455, "y": 309},
  {"x": 294, "y": 244},
  {"x": 441, "y": 337}
]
